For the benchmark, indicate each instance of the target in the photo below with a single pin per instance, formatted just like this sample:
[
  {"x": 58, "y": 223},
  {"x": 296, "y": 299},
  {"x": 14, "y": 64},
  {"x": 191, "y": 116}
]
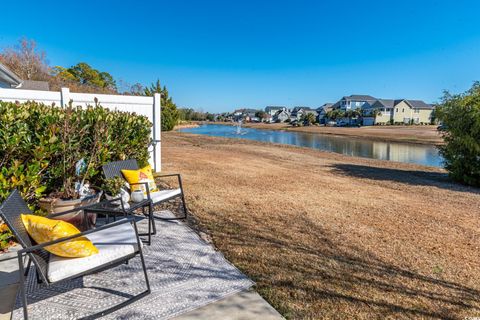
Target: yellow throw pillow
[
  {"x": 44, "y": 230},
  {"x": 142, "y": 175}
]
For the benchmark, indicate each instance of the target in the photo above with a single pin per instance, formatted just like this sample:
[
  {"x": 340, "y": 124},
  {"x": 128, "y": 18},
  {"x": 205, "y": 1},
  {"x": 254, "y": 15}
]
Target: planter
[
  {"x": 57, "y": 205},
  {"x": 125, "y": 198}
]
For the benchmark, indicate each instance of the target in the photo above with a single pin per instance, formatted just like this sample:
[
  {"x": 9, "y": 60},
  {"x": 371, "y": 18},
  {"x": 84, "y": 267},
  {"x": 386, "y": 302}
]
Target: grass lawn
[{"x": 331, "y": 236}]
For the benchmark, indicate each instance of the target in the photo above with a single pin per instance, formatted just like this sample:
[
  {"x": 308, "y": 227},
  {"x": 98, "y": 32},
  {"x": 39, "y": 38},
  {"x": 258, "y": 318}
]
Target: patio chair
[
  {"x": 122, "y": 245},
  {"x": 114, "y": 169}
]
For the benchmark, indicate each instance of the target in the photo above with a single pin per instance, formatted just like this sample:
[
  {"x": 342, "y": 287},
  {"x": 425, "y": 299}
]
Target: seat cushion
[
  {"x": 112, "y": 243},
  {"x": 161, "y": 195}
]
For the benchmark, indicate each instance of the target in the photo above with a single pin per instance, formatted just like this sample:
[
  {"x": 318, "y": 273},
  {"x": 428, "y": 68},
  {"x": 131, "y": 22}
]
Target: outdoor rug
[{"x": 185, "y": 273}]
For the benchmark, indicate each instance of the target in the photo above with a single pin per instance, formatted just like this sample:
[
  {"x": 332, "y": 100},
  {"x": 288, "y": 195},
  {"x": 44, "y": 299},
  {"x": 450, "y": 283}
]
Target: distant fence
[{"x": 147, "y": 106}]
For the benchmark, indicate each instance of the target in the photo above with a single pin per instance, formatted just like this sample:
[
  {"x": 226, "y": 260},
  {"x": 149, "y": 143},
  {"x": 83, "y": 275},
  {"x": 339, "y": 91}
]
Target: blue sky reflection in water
[{"x": 402, "y": 152}]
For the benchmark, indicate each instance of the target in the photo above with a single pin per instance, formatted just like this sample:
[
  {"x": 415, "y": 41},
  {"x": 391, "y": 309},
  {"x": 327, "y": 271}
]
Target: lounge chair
[
  {"x": 114, "y": 169},
  {"x": 123, "y": 244}
]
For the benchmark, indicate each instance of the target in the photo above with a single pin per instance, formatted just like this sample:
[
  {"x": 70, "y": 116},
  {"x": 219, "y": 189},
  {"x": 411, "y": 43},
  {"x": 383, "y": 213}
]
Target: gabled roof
[
  {"x": 279, "y": 112},
  {"x": 296, "y": 109},
  {"x": 35, "y": 85},
  {"x": 326, "y": 107},
  {"x": 7, "y": 76},
  {"x": 361, "y": 97},
  {"x": 419, "y": 104},
  {"x": 385, "y": 103}
]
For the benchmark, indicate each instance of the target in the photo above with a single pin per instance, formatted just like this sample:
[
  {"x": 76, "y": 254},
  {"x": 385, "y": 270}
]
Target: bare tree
[{"x": 26, "y": 61}]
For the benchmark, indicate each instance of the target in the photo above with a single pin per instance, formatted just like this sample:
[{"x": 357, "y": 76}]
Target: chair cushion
[
  {"x": 161, "y": 195},
  {"x": 43, "y": 230},
  {"x": 112, "y": 243},
  {"x": 141, "y": 175}
]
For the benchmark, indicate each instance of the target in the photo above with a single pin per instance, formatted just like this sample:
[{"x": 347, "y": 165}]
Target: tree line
[{"x": 30, "y": 63}]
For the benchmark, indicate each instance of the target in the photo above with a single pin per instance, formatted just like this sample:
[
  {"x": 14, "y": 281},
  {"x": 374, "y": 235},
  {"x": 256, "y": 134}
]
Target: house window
[
  {"x": 403, "y": 109},
  {"x": 416, "y": 110},
  {"x": 396, "y": 110}
]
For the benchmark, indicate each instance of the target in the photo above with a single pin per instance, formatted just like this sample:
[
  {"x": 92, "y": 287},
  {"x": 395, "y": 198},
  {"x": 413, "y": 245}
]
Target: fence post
[
  {"x": 157, "y": 129},
  {"x": 64, "y": 97}
]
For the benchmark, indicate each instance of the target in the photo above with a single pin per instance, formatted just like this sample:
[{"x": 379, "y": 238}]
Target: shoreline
[{"x": 425, "y": 135}]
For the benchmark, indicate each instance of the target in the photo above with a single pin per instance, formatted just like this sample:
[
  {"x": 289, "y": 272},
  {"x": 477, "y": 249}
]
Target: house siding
[{"x": 404, "y": 113}]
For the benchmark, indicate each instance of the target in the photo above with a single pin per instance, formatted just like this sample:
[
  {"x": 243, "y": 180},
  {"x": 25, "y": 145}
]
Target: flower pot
[
  {"x": 125, "y": 198},
  {"x": 137, "y": 196},
  {"x": 57, "y": 205}
]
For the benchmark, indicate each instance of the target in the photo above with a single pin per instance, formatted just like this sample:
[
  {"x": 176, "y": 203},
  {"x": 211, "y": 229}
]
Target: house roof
[
  {"x": 325, "y": 107},
  {"x": 419, "y": 104},
  {"x": 361, "y": 97},
  {"x": 35, "y": 85},
  {"x": 269, "y": 108},
  {"x": 386, "y": 103},
  {"x": 7, "y": 76}
]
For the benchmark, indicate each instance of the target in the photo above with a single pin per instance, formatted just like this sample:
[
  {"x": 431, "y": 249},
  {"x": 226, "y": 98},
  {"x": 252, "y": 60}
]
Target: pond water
[{"x": 403, "y": 152}]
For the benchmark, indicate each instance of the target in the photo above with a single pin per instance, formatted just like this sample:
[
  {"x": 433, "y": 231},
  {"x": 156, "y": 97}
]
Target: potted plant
[
  {"x": 79, "y": 153},
  {"x": 113, "y": 189}
]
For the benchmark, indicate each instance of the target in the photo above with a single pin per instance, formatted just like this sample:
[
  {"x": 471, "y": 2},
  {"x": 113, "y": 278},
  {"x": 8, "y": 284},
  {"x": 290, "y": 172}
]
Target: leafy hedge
[
  {"x": 32, "y": 137},
  {"x": 460, "y": 117}
]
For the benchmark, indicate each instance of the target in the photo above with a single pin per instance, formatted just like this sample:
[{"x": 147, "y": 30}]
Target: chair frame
[
  {"x": 10, "y": 211},
  {"x": 114, "y": 169}
]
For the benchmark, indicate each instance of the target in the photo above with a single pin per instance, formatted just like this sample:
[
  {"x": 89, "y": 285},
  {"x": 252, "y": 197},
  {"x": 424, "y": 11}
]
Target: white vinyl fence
[{"x": 147, "y": 106}]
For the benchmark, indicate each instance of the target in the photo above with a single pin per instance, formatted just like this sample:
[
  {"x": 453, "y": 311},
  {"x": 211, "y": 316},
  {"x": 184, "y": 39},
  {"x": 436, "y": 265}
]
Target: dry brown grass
[{"x": 330, "y": 236}]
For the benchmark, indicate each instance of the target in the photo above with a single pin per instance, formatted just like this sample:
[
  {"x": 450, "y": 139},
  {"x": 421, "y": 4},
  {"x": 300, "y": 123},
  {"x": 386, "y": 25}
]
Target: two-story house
[
  {"x": 405, "y": 111},
  {"x": 281, "y": 116},
  {"x": 354, "y": 101},
  {"x": 412, "y": 112},
  {"x": 272, "y": 110}
]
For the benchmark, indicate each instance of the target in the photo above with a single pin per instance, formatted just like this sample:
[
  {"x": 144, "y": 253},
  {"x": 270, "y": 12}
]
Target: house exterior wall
[
  {"x": 404, "y": 113},
  {"x": 146, "y": 106},
  {"x": 347, "y": 104},
  {"x": 426, "y": 115},
  {"x": 383, "y": 117}
]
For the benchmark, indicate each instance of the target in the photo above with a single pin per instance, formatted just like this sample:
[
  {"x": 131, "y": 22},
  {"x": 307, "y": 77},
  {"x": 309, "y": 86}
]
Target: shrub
[
  {"x": 460, "y": 115},
  {"x": 6, "y": 237},
  {"x": 32, "y": 148},
  {"x": 170, "y": 117}
]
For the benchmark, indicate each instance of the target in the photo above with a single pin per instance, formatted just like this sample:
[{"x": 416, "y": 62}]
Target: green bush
[
  {"x": 32, "y": 144},
  {"x": 460, "y": 117}
]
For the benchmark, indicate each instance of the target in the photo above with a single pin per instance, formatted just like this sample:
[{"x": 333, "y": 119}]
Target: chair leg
[
  {"x": 140, "y": 251},
  {"x": 38, "y": 276},
  {"x": 23, "y": 294},
  {"x": 28, "y": 267},
  {"x": 152, "y": 220},
  {"x": 185, "y": 211}
]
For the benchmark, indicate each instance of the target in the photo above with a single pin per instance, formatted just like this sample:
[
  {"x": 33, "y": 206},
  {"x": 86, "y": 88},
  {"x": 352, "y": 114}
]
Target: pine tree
[{"x": 170, "y": 114}]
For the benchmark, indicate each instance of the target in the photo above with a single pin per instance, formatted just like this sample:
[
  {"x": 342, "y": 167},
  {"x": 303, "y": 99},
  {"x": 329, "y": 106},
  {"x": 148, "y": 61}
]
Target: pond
[{"x": 402, "y": 152}]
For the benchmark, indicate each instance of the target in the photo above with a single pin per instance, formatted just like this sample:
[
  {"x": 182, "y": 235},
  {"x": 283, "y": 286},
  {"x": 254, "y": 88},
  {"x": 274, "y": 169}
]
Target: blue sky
[{"x": 220, "y": 55}]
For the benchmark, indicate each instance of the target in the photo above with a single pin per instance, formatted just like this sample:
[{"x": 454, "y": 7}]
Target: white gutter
[{"x": 9, "y": 77}]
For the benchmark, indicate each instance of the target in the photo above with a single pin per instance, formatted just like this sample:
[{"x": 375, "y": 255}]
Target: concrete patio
[{"x": 246, "y": 304}]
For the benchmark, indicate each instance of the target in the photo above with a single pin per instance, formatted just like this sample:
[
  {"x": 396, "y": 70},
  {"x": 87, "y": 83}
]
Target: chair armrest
[
  {"x": 179, "y": 178},
  {"x": 81, "y": 234},
  {"x": 159, "y": 175}
]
